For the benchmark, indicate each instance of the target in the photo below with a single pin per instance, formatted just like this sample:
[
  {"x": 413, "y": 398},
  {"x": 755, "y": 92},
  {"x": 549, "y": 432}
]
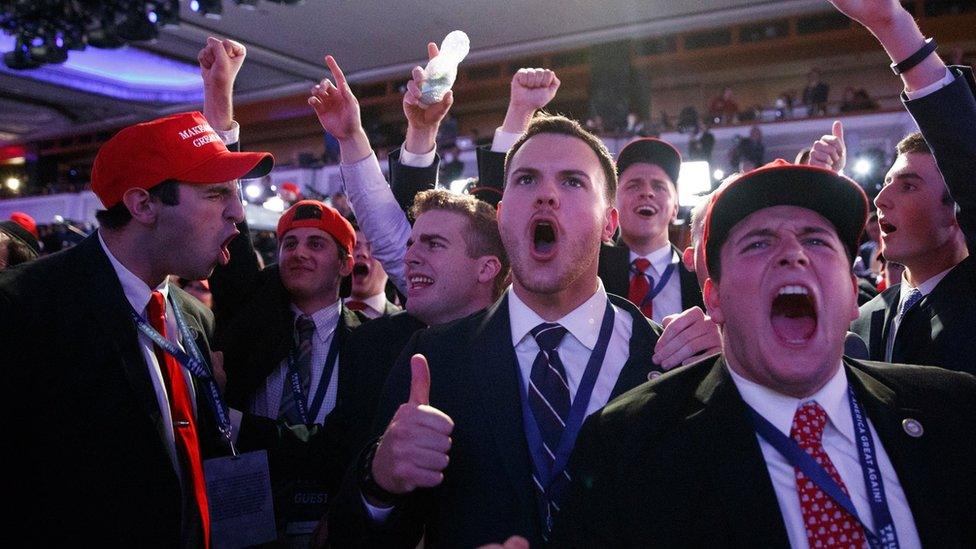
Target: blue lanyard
[
  {"x": 885, "y": 535},
  {"x": 577, "y": 412},
  {"x": 652, "y": 293},
  {"x": 194, "y": 362},
  {"x": 310, "y": 413}
]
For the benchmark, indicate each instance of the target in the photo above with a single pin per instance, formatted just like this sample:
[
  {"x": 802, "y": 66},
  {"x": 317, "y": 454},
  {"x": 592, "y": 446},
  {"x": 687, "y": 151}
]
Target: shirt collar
[
  {"x": 326, "y": 319},
  {"x": 659, "y": 258},
  {"x": 925, "y": 287},
  {"x": 376, "y": 302},
  {"x": 136, "y": 291},
  {"x": 583, "y": 322},
  {"x": 779, "y": 409}
]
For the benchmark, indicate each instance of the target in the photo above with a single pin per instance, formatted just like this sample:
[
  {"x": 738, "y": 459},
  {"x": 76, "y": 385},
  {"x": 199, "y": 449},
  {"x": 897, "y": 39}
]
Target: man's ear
[
  {"x": 688, "y": 259},
  {"x": 141, "y": 205},
  {"x": 611, "y": 221},
  {"x": 345, "y": 267},
  {"x": 713, "y": 304},
  {"x": 855, "y": 310},
  {"x": 489, "y": 267}
]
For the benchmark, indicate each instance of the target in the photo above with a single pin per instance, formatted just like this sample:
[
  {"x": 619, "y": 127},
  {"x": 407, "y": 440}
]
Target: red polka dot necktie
[
  {"x": 827, "y": 523},
  {"x": 640, "y": 286},
  {"x": 181, "y": 408}
]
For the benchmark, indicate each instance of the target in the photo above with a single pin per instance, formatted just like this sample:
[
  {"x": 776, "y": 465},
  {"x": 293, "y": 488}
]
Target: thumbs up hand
[
  {"x": 830, "y": 151},
  {"x": 413, "y": 452}
]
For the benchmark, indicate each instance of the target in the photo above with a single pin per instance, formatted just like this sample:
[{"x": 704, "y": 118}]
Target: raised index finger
[{"x": 340, "y": 78}]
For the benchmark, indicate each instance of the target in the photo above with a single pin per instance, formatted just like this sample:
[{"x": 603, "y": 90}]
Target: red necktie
[
  {"x": 640, "y": 287},
  {"x": 827, "y": 523},
  {"x": 354, "y": 305},
  {"x": 181, "y": 408}
]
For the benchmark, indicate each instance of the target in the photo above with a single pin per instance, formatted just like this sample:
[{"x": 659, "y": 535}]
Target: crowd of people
[{"x": 532, "y": 363}]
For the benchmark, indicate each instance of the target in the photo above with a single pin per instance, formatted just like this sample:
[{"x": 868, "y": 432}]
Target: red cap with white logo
[{"x": 181, "y": 147}]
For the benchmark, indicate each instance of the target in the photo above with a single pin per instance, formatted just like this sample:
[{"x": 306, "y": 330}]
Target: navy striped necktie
[{"x": 550, "y": 402}]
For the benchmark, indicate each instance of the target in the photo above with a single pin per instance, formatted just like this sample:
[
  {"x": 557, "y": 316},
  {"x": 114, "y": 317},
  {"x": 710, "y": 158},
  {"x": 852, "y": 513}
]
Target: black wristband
[
  {"x": 368, "y": 484},
  {"x": 914, "y": 59}
]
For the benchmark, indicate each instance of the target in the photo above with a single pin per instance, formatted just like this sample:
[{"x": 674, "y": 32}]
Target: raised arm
[
  {"x": 379, "y": 216},
  {"x": 941, "y": 100},
  {"x": 414, "y": 167},
  {"x": 232, "y": 284},
  {"x": 531, "y": 90}
]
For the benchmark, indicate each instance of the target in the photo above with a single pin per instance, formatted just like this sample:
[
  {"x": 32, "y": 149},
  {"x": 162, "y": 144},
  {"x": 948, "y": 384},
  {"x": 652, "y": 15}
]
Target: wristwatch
[{"x": 370, "y": 488}]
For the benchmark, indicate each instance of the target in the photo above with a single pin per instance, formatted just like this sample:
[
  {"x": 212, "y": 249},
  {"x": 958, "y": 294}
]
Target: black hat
[
  {"x": 14, "y": 229},
  {"x": 649, "y": 150},
  {"x": 780, "y": 183}
]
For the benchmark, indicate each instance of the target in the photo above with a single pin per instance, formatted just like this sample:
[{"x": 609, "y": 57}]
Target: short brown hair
[
  {"x": 915, "y": 143},
  {"x": 548, "y": 123},
  {"x": 481, "y": 236}
]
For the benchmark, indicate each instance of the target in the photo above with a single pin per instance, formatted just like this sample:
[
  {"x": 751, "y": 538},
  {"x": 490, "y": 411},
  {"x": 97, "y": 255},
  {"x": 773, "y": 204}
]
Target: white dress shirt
[
  {"x": 267, "y": 400},
  {"x": 138, "y": 293},
  {"x": 668, "y": 302},
  {"x": 839, "y": 443},
  {"x": 583, "y": 329},
  {"x": 375, "y": 305},
  {"x": 904, "y": 292}
]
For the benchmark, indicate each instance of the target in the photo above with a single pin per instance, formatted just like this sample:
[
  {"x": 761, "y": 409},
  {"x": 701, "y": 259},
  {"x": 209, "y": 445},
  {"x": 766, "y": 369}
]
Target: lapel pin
[
  {"x": 912, "y": 427},
  {"x": 653, "y": 374}
]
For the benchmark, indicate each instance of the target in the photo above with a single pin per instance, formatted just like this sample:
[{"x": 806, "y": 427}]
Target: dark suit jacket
[
  {"x": 947, "y": 119},
  {"x": 374, "y": 348},
  {"x": 491, "y": 175},
  {"x": 86, "y": 460},
  {"x": 614, "y": 271},
  {"x": 939, "y": 331},
  {"x": 676, "y": 462},
  {"x": 487, "y": 492},
  {"x": 407, "y": 181}
]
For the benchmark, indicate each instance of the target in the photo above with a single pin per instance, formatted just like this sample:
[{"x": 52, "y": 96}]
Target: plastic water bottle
[{"x": 441, "y": 71}]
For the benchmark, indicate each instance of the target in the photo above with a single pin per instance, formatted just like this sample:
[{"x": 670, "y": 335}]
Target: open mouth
[
  {"x": 793, "y": 315},
  {"x": 886, "y": 226},
  {"x": 646, "y": 211},
  {"x": 543, "y": 238},
  {"x": 360, "y": 270},
  {"x": 224, "y": 258},
  {"x": 418, "y": 282}
]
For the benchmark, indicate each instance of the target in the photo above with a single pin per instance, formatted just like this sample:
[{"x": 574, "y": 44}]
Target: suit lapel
[
  {"x": 641, "y": 348},
  {"x": 497, "y": 373},
  {"x": 881, "y": 322},
  {"x": 112, "y": 313},
  {"x": 347, "y": 322},
  {"x": 735, "y": 464}
]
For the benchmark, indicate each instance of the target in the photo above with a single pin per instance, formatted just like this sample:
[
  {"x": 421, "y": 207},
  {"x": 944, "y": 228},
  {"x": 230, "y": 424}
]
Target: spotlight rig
[{"x": 46, "y": 30}]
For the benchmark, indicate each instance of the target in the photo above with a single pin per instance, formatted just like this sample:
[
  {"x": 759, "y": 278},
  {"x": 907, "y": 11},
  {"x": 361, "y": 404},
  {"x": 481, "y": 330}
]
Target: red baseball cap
[
  {"x": 182, "y": 147},
  {"x": 315, "y": 214},
  {"x": 25, "y": 221}
]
